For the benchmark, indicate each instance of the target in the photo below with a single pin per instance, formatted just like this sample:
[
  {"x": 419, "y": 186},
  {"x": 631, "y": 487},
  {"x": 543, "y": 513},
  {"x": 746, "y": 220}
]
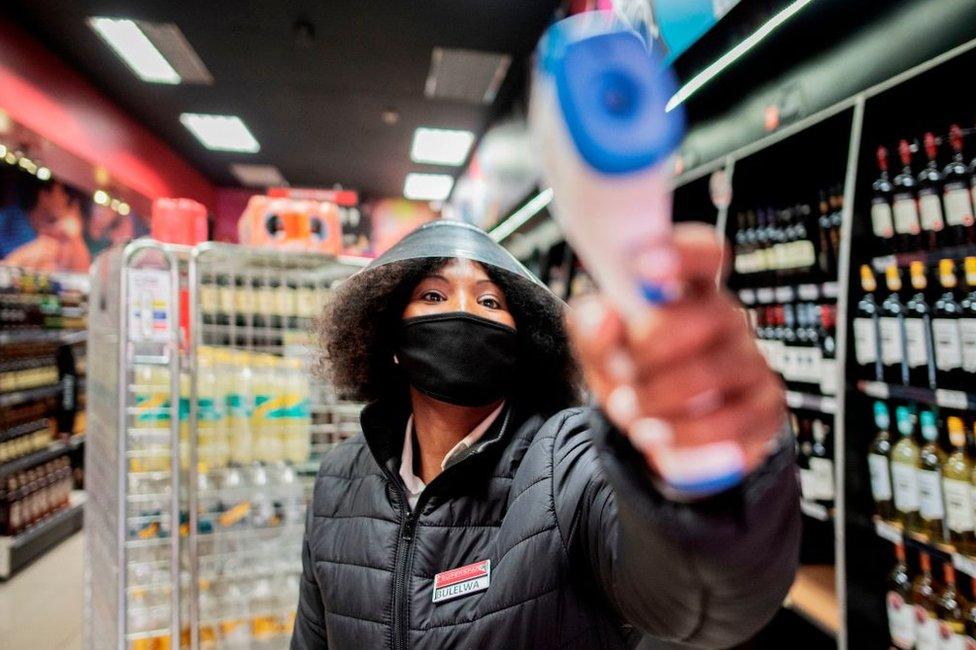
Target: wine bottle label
[
  {"x": 926, "y": 629},
  {"x": 948, "y": 343},
  {"x": 952, "y": 639},
  {"x": 901, "y": 621},
  {"x": 959, "y": 509},
  {"x": 828, "y": 376},
  {"x": 808, "y": 488},
  {"x": 804, "y": 255},
  {"x": 905, "y": 211},
  {"x": 823, "y": 472},
  {"x": 930, "y": 210},
  {"x": 892, "y": 343},
  {"x": 880, "y": 478},
  {"x": 865, "y": 341},
  {"x": 904, "y": 479},
  {"x": 958, "y": 205},
  {"x": 967, "y": 335},
  {"x": 930, "y": 505},
  {"x": 881, "y": 220},
  {"x": 916, "y": 351}
]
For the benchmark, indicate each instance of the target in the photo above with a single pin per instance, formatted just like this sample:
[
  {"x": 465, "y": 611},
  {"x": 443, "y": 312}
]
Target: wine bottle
[
  {"x": 866, "y": 336},
  {"x": 879, "y": 459},
  {"x": 958, "y": 194},
  {"x": 904, "y": 203},
  {"x": 901, "y": 617},
  {"x": 825, "y": 252},
  {"x": 836, "y": 220},
  {"x": 919, "y": 356},
  {"x": 946, "y": 331},
  {"x": 821, "y": 463},
  {"x": 951, "y": 609},
  {"x": 923, "y": 601},
  {"x": 904, "y": 476},
  {"x": 967, "y": 320},
  {"x": 971, "y": 620},
  {"x": 931, "y": 507},
  {"x": 882, "y": 219},
  {"x": 829, "y": 379},
  {"x": 891, "y": 329},
  {"x": 956, "y": 476},
  {"x": 930, "y": 198}
]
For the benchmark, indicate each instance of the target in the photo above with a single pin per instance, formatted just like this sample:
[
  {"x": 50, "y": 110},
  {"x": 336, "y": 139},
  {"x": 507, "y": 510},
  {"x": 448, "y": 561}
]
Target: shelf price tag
[
  {"x": 784, "y": 294},
  {"x": 794, "y": 400},
  {"x": 888, "y": 531},
  {"x": 965, "y": 564},
  {"x": 765, "y": 295},
  {"x": 747, "y": 296},
  {"x": 881, "y": 263},
  {"x": 828, "y": 405},
  {"x": 951, "y": 399},
  {"x": 808, "y": 292},
  {"x": 814, "y": 510},
  {"x": 830, "y": 289},
  {"x": 876, "y": 389}
]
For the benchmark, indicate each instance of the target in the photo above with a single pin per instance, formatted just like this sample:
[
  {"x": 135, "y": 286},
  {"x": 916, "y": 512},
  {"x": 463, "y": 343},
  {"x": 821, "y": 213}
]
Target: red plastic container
[{"x": 178, "y": 221}]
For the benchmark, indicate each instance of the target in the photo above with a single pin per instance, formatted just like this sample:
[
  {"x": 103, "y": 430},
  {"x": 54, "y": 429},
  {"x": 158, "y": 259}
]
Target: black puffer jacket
[{"x": 583, "y": 549}]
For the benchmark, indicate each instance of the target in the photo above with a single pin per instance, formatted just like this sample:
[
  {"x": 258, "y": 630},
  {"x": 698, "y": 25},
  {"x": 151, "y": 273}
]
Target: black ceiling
[{"x": 315, "y": 106}]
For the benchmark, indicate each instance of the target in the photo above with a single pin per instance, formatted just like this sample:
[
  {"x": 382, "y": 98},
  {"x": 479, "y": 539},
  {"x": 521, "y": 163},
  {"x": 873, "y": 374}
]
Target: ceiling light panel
[
  {"x": 466, "y": 75},
  {"x": 427, "y": 187},
  {"x": 135, "y": 49},
  {"x": 441, "y": 146},
  {"x": 258, "y": 175},
  {"x": 221, "y": 132}
]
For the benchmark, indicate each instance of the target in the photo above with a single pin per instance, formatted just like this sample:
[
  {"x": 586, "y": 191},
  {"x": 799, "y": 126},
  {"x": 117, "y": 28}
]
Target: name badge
[{"x": 462, "y": 581}]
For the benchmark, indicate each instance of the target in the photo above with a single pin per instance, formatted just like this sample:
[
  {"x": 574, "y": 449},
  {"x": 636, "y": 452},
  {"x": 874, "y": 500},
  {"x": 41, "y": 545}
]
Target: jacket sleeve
[
  {"x": 309, "y": 630},
  {"x": 709, "y": 573}
]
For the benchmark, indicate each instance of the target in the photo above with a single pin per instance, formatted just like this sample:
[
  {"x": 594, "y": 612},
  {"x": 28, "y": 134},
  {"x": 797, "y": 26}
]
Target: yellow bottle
[
  {"x": 150, "y": 438},
  {"x": 296, "y": 439},
  {"x": 240, "y": 408}
]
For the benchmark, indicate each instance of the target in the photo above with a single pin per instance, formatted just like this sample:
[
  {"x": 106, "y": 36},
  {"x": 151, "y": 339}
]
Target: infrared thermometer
[{"x": 598, "y": 115}]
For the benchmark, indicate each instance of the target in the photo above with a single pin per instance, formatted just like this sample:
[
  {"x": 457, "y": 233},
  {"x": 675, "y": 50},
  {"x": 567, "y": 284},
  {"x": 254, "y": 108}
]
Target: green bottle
[
  {"x": 931, "y": 506},
  {"x": 879, "y": 459},
  {"x": 904, "y": 475}
]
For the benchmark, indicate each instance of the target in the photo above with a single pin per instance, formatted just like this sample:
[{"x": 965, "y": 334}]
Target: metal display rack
[
  {"x": 859, "y": 540},
  {"x": 204, "y": 423}
]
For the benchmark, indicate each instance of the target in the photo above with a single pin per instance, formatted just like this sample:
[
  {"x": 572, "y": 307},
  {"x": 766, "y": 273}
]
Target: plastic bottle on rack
[
  {"x": 263, "y": 421},
  {"x": 151, "y": 421},
  {"x": 211, "y": 417},
  {"x": 240, "y": 408},
  {"x": 296, "y": 422}
]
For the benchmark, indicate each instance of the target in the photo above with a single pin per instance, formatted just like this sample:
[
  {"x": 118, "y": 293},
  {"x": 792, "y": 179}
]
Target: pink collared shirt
[{"x": 412, "y": 482}]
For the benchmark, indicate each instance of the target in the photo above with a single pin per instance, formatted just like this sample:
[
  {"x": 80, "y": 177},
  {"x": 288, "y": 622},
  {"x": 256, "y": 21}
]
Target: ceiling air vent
[
  {"x": 466, "y": 75},
  {"x": 258, "y": 175}
]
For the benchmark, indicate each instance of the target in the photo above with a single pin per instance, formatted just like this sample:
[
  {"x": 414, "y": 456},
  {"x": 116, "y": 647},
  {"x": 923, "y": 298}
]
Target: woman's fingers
[{"x": 597, "y": 335}]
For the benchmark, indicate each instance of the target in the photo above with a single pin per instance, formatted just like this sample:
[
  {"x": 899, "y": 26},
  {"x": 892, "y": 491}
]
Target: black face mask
[{"x": 458, "y": 357}]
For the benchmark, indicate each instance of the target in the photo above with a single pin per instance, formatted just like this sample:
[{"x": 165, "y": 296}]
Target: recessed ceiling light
[
  {"x": 440, "y": 146},
  {"x": 258, "y": 175},
  {"x": 427, "y": 187},
  {"x": 221, "y": 132},
  {"x": 134, "y": 47}
]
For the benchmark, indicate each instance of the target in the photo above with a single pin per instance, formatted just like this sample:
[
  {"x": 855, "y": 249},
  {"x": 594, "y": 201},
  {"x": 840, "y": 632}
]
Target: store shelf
[
  {"x": 43, "y": 336},
  {"x": 952, "y": 399},
  {"x": 20, "y": 396},
  {"x": 814, "y": 597},
  {"x": 930, "y": 258},
  {"x": 55, "y": 449},
  {"x": 896, "y": 534},
  {"x": 809, "y": 292},
  {"x": 17, "y": 552},
  {"x": 811, "y": 402}
]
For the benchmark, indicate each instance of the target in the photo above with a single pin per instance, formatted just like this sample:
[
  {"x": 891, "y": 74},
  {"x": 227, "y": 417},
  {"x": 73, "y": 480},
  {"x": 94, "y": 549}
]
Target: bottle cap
[
  {"x": 947, "y": 273},
  {"x": 882, "y": 419},
  {"x": 955, "y": 138},
  {"x": 868, "y": 283},
  {"x": 949, "y": 573},
  {"x": 905, "y": 152},
  {"x": 900, "y": 552},
  {"x": 969, "y": 264},
  {"x": 904, "y": 418},
  {"x": 931, "y": 146},
  {"x": 917, "y": 270},
  {"x": 882, "y": 158},
  {"x": 957, "y": 432},
  {"x": 893, "y": 278},
  {"x": 927, "y": 423}
]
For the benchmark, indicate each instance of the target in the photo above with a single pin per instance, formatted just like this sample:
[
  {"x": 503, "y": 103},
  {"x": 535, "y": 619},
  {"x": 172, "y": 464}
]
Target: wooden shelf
[{"x": 814, "y": 597}]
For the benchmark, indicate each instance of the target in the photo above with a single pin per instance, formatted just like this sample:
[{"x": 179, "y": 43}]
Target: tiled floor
[{"x": 41, "y": 607}]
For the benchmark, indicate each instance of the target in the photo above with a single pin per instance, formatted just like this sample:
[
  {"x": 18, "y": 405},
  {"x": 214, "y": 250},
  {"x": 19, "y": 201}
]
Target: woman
[{"x": 481, "y": 508}]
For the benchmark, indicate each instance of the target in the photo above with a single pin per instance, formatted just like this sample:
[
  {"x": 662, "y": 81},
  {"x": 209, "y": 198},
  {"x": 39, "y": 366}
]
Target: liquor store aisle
[{"x": 43, "y": 605}]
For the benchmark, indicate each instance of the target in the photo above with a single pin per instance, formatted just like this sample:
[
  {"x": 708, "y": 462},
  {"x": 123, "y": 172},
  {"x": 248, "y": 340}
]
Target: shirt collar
[{"x": 410, "y": 480}]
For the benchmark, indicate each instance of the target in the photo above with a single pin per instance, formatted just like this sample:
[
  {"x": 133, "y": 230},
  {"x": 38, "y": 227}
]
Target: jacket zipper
[{"x": 401, "y": 582}]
